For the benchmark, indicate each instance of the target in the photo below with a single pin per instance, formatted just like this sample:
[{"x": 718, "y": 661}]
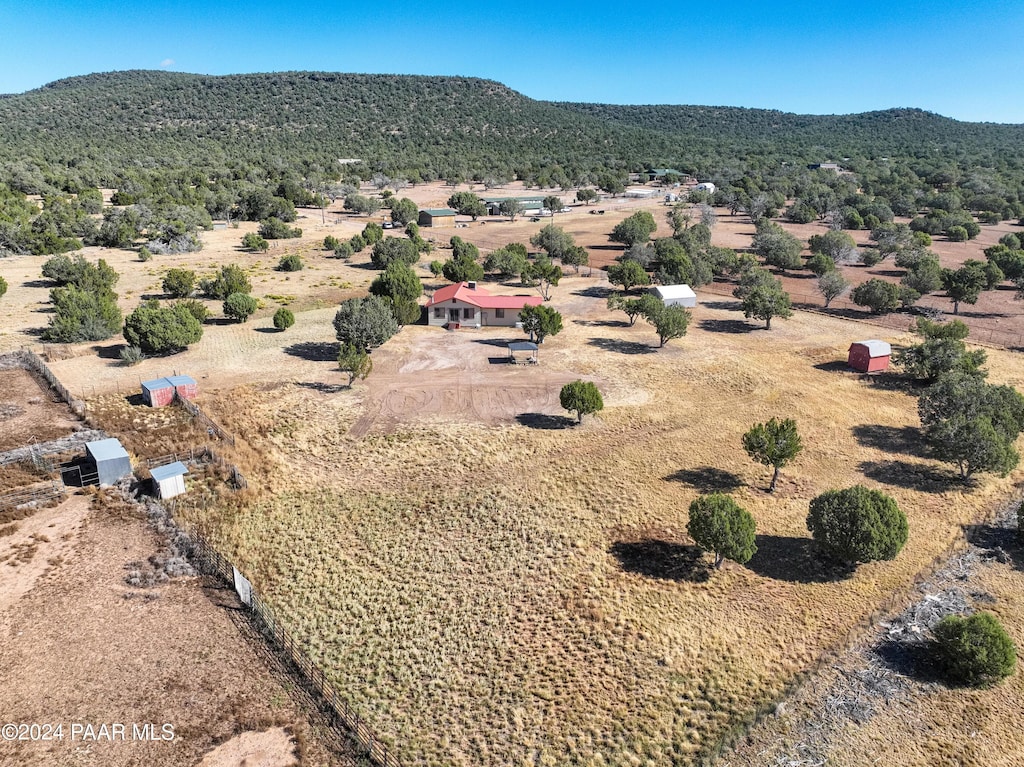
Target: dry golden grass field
[{"x": 492, "y": 585}]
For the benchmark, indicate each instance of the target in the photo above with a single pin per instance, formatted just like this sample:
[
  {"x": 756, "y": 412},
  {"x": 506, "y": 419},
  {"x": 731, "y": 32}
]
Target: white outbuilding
[
  {"x": 676, "y": 295},
  {"x": 169, "y": 480},
  {"x": 705, "y": 186}
]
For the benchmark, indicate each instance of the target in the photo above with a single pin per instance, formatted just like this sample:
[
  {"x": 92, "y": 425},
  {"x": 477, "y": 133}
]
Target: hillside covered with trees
[{"x": 99, "y": 129}]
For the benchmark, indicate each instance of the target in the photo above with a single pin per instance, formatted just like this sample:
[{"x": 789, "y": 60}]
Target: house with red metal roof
[{"x": 464, "y": 305}]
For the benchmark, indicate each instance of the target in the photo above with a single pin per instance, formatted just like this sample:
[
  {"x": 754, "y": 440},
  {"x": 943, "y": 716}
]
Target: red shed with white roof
[{"x": 869, "y": 356}]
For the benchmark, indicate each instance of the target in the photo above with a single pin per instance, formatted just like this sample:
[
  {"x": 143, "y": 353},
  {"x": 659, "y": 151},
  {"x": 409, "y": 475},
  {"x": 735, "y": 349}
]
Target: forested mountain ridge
[
  {"x": 98, "y": 127},
  {"x": 889, "y": 132},
  {"x": 170, "y": 119}
]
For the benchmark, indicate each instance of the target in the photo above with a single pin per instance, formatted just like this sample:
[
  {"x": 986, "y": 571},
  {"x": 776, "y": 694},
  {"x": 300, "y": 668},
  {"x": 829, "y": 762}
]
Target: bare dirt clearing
[
  {"x": 68, "y": 658},
  {"x": 28, "y": 413}
]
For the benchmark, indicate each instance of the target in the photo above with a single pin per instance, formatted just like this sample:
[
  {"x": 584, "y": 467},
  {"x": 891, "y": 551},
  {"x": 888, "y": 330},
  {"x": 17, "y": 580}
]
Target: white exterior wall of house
[{"x": 469, "y": 316}]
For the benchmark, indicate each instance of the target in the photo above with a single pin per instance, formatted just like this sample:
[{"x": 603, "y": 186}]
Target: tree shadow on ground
[
  {"x": 44, "y": 283},
  {"x": 110, "y": 352},
  {"x": 602, "y": 323},
  {"x": 797, "y": 560},
  {"x": 729, "y": 306},
  {"x": 594, "y": 291},
  {"x": 220, "y": 321},
  {"x": 727, "y": 326},
  {"x": 707, "y": 479},
  {"x": 620, "y": 346},
  {"x": 545, "y": 421},
  {"x": 268, "y": 330},
  {"x": 915, "y": 660},
  {"x": 892, "y": 439},
  {"x": 835, "y": 366},
  {"x": 324, "y": 388},
  {"x": 1000, "y": 542},
  {"x": 913, "y": 476},
  {"x": 314, "y": 351},
  {"x": 662, "y": 560}
]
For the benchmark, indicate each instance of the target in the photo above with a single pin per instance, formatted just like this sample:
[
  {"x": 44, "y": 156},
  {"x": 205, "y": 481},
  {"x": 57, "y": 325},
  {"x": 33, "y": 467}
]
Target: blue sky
[{"x": 959, "y": 59}]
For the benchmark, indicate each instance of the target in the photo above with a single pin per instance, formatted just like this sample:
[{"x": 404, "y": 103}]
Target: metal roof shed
[
  {"x": 676, "y": 295},
  {"x": 869, "y": 356},
  {"x": 528, "y": 347},
  {"x": 158, "y": 392},
  {"x": 184, "y": 386},
  {"x": 169, "y": 480},
  {"x": 111, "y": 460}
]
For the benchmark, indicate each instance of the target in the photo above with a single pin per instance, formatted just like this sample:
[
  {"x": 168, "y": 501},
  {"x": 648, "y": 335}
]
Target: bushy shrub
[
  {"x": 857, "y": 524},
  {"x": 283, "y": 318},
  {"x": 974, "y": 651},
  {"x": 253, "y": 241},
  {"x": 179, "y": 283},
  {"x": 230, "y": 279},
  {"x": 240, "y": 306},
  {"x": 156, "y": 329},
  {"x": 196, "y": 308},
  {"x": 276, "y": 229},
  {"x": 131, "y": 355},
  {"x": 291, "y": 263},
  {"x": 718, "y": 524}
]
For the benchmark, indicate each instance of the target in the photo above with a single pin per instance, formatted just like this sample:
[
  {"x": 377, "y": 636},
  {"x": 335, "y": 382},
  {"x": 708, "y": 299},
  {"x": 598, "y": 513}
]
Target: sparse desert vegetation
[{"x": 487, "y": 580}]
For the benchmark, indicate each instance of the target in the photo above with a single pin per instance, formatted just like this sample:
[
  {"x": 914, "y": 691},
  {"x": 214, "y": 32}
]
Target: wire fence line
[
  {"x": 345, "y": 721},
  {"x": 33, "y": 362},
  {"x": 36, "y": 495},
  {"x": 196, "y": 412}
]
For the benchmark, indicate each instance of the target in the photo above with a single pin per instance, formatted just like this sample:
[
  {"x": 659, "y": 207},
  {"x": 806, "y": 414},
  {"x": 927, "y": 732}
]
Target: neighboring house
[
  {"x": 676, "y": 295},
  {"x": 437, "y": 217},
  {"x": 658, "y": 174},
  {"x": 869, "y": 356},
  {"x": 641, "y": 192},
  {"x": 824, "y": 166},
  {"x": 705, "y": 186},
  {"x": 465, "y": 305}
]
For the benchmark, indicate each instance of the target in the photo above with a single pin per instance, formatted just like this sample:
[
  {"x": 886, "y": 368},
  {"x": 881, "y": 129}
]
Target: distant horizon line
[{"x": 161, "y": 71}]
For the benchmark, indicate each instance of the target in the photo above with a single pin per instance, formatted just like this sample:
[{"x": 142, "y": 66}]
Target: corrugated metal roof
[
  {"x": 181, "y": 380},
  {"x": 439, "y": 212},
  {"x": 875, "y": 348},
  {"x": 522, "y": 346},
  {"x": 160, "y": 473},
  {"x": 674, "y": 291},
  {"x": 481, "y": 298},
  {"x": 156, "y": 383},
  {"x": 106, "y": 449}
]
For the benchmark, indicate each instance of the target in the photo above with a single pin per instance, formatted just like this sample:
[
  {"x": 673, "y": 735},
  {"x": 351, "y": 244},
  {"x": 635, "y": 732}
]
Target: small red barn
[
  {"x": 158, "y": 392},
  {"x": 184, "y": 386},
  {"x": 869, "y": 356}
]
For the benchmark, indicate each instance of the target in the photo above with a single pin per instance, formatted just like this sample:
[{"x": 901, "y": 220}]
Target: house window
[
  {"x": 499, "y": 314},
  {"x": 438, "y": 312},
  {"x": 468, "y": 313}
]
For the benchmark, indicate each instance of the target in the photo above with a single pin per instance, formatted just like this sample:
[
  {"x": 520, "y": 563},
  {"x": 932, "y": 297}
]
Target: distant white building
[
  {"x": 705, "y": 186},
  {"x": 641, "y": 192},
  {"x": 676, "y": 295}
]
